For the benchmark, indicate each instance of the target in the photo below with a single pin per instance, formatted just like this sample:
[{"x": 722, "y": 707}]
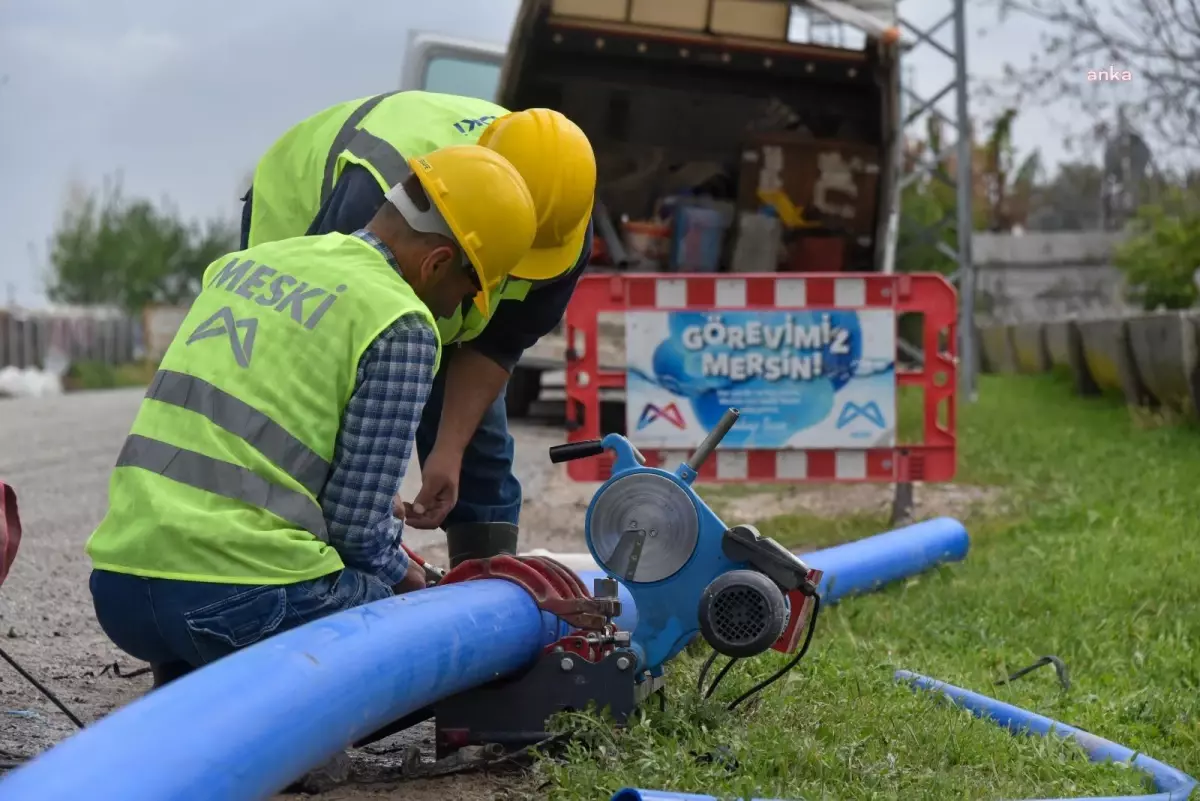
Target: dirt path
[{"x": 58, "y": 452}]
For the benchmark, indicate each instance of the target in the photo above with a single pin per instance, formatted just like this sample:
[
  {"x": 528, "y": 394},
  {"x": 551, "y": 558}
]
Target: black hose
[{"x": 41, "y": 688}]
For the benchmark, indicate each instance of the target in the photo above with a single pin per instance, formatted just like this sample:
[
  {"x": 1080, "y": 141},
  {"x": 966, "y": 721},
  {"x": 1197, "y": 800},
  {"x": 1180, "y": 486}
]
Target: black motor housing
[{"x": 742, "y": 613}]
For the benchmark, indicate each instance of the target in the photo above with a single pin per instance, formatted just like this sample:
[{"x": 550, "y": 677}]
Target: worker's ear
[{"x": 435, "y": 264}]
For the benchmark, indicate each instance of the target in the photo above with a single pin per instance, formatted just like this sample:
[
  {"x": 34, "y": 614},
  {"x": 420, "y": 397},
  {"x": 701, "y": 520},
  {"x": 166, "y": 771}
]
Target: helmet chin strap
[{"x": 430, "y": 221}]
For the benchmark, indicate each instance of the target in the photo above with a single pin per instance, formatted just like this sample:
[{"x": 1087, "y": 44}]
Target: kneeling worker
[
  {"x": 329, "y": 172},
  {"x": 255, "y": 490}
]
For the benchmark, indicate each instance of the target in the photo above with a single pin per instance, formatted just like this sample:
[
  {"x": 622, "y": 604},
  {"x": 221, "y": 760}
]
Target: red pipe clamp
[{"x": 554, "y": 587}]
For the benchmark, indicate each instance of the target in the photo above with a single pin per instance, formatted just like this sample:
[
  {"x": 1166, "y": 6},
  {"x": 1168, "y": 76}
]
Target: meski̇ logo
[
  {"x": 852, "y": 411},
  {"x": 670, "y": 413}
]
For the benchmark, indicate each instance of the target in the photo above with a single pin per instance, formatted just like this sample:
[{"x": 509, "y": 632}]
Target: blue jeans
[
  {"x": 488, "y": 492},
  {"x": 187, "y": 624}
]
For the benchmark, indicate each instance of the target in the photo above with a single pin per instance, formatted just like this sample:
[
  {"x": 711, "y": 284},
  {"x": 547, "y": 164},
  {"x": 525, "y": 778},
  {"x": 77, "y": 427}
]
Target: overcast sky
[{"x": 182, "y": 98}]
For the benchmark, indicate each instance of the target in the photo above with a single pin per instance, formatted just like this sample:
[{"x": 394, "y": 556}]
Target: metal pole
[{"x": 965, "y": 185}]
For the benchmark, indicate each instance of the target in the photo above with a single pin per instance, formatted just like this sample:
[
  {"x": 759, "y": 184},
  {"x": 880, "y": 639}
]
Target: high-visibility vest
[
  {"x": 220, "y": 476},
  {"x": 380, "y": 133}
]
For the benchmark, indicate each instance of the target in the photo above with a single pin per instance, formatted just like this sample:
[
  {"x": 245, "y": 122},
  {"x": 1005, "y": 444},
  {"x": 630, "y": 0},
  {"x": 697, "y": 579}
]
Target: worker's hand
[
  {"x": 439, "y": 491},
  {"x": 399, "y": 508},
  {"x": 414, "y": 579}
]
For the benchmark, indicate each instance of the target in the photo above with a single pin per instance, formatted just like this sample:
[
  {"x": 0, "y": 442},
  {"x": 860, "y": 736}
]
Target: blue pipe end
[{"x": 867, "y": 565}]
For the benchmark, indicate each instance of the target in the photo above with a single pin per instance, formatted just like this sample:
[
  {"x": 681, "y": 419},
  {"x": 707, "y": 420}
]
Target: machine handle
[
  {"x": 713, "y": 439},
  {"x": 570, "y": 451}
]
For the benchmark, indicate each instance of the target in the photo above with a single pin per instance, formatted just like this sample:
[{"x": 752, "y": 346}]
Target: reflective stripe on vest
[
  {"x": 387, "y": 160},
  {"x": 344, "y": 139},
  {"x": 222, "y": 478},
  {"x": 298, "y": 172},
  {"x": 242, "y": 420}
]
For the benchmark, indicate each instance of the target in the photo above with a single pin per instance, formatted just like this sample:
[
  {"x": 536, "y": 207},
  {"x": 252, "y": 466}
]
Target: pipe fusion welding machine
[{"x": 686, "y": 573}]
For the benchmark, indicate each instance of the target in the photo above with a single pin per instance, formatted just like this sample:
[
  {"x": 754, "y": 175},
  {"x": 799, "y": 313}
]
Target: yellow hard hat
[
  {"x": 486, "y": 205},
  {"x": 556, "y": 160}
]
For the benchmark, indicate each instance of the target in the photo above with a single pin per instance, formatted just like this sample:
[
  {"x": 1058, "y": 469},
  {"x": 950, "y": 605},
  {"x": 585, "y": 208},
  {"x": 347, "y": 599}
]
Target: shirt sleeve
[
  {"x": 374, "y": 447},
  {"x": 350, "y": 206},
  {"x": 516, "y": 327}
]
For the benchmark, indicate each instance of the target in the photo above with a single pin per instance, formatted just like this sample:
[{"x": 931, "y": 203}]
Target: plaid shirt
[{"x": 375, "y": 443}]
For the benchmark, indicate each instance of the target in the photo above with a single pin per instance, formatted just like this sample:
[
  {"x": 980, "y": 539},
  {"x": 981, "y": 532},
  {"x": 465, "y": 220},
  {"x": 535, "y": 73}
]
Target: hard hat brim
[
  {"x": 483, "y": 299},
  {"x": 543, "y": 264}
]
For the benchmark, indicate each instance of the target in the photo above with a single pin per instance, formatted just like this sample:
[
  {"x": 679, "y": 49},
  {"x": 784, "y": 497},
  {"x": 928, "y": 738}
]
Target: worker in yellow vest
[
  {"x": 255, "y": 490},
  {"x": 329, "y": 173}
]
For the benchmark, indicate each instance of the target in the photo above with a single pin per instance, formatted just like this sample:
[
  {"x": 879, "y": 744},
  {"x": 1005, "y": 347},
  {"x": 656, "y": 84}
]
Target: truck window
[{"x": 462, "y": 76}]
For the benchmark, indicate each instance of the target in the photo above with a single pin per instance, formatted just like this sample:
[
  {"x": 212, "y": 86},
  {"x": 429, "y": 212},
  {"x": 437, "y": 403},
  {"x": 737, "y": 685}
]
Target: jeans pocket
[
  {"x": 236, "y": 622},
  {"x": 334, "y": 593}
]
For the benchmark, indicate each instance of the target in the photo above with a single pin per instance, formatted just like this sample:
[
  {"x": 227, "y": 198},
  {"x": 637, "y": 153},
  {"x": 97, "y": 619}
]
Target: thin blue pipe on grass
[
  {"x": 246, "y": 726},
  {"x": 1170, "y": 784},
  {"x": 633, "y": 794}
]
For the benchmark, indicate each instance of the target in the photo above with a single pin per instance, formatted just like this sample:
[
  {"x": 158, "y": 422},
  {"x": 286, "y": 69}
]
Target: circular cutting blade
[{"x": 644, "y": 528}]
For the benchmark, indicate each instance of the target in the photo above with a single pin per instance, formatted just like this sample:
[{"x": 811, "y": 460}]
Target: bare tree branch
[{"x": 1157, "y": 41}]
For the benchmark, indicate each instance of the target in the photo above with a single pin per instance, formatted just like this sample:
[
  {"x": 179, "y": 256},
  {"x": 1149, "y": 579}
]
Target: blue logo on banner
[
  {"x": 852, "y": 411},
  {"x": 670, "y": 413}
]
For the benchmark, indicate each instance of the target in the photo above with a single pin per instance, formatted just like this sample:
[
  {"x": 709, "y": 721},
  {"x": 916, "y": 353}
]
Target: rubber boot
[
  {"x": 167, "y": 672},
  {"x": 480, "y": 540}
]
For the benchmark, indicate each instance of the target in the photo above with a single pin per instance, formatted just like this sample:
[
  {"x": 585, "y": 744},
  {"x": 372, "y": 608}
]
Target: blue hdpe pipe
[
  {"x": 248, "y": 725},
  {"x": 631, "y": 794},
  {"x": 868, "y": 564},
  {"x": 1170, "y": 784}
]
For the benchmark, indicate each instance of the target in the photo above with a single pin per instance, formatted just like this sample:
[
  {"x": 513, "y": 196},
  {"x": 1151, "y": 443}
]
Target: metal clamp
[{"x": 554, "y": 587}]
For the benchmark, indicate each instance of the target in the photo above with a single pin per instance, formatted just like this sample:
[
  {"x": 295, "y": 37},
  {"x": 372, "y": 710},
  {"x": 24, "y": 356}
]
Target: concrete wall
[
  {"x": 1052, "y": 301},
  {"x": 1047, "y": 276},
  {"x": 1152, "y": 360}
]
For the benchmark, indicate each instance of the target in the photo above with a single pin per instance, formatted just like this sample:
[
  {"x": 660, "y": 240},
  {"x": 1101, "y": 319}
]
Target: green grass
[
  {"x": 1096, "y": 561},
  {"x": 89, "y": 375}
]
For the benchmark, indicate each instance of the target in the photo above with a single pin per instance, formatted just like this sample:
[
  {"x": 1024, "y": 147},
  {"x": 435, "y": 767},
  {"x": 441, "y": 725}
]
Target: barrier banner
[{"x": 802, "y": 379}]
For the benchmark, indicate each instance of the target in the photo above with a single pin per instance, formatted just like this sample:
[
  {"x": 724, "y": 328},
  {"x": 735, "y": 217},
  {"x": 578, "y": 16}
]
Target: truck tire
[{"x": 524, "y": 387}]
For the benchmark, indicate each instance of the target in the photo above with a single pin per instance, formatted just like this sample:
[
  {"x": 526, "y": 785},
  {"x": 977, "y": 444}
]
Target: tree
[
  {"x": 1070, "y": 201},
  {"x": 1001, "y": 193},
  {"x": 113, "y": 250},
  {"x": 1162, "y": 252},
  {"x": 1153, "y": 46}
]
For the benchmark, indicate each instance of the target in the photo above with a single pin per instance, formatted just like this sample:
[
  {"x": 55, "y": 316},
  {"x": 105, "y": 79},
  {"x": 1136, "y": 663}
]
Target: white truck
[{"x": 679, "y": 93}]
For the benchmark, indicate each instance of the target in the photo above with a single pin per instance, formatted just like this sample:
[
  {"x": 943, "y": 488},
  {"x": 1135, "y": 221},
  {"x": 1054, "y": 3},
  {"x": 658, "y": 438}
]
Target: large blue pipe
[{"x": 248, "y": 725}]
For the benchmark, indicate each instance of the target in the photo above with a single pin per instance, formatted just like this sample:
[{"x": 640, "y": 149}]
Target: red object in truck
[
  {"x": 600, "y": 253},
  {"x": 816, "y": 254},
  {"x": 10, "y": 529}
]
